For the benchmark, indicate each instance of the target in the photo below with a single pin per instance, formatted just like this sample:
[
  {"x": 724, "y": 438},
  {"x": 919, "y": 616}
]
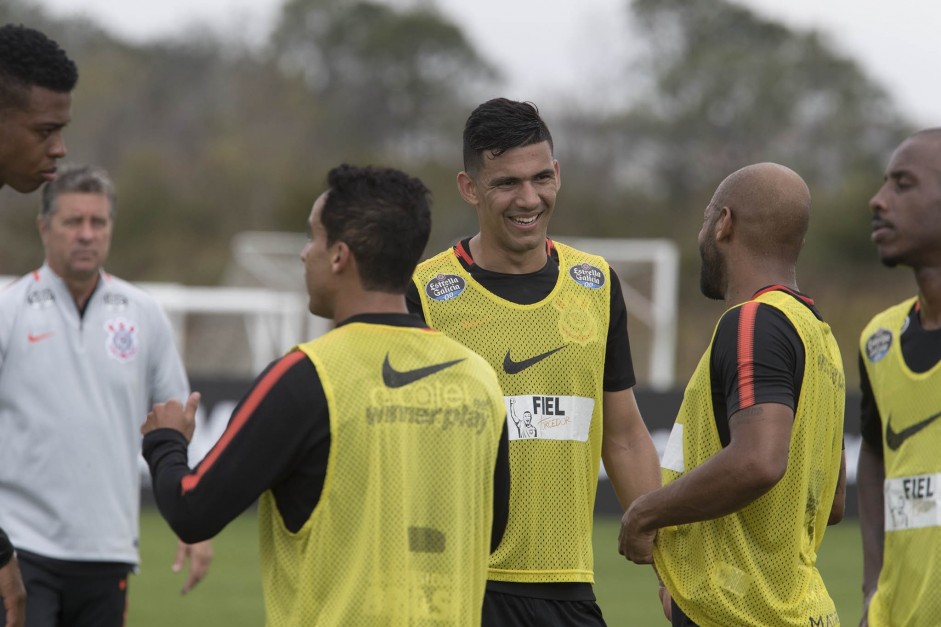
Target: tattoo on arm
[{"x": 749, "y": 412}]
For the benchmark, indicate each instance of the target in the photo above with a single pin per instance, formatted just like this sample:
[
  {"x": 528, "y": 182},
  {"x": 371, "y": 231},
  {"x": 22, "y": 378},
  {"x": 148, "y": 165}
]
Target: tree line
[{"x": 206, "y": 137}]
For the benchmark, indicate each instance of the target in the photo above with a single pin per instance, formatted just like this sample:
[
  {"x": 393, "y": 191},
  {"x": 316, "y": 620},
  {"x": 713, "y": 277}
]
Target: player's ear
[
  {"x": 467, "y": 187},
  {"x": 340, "y": 257},
  {"x": 724, "y": 224}
]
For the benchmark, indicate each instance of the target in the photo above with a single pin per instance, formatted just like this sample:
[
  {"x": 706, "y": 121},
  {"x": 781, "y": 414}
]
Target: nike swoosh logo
[
  {"x": 397, "y": 378},
  {"x": 894, "y": 440},
  {"x": 38, "y": 338},
  {"x": 515, "y": 367}
]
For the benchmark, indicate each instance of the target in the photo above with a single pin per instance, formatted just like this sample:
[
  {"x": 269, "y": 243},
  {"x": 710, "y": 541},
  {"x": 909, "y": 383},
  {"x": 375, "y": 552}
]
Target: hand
[
  {"x": 13, "y": 593},
  {"x": 665, "y": 602},
  {"x": 867, "y": 599},
  {"x": 635, "y": 543},
  {"x": 172, "y": 415},
  {"x": 199, "y": 556}
]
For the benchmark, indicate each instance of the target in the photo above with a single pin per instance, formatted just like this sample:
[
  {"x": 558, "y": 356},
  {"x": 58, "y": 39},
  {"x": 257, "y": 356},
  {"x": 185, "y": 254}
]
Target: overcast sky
[{"x": 543, "y": 49}]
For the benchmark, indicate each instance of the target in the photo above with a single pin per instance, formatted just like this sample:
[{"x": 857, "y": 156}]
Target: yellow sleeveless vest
[
  {"x": 549, "y": 357},
  {"x": 401, "y": 533},
  {"x": 909, "y": 403},
  {"x": 757, "y": 566}
]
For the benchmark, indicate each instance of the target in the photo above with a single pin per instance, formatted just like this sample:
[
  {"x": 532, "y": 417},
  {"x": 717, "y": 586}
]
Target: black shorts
[
  {"x": 510, "y": 610},
  {"x": 78, "y": 594},
  {"x": 679, "y": 619}
]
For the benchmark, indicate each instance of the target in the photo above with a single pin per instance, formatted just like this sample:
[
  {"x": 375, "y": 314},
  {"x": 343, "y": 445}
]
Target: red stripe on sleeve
[
  {"x": 251, "y": 403},
  {"x": 746, "y": 354}
]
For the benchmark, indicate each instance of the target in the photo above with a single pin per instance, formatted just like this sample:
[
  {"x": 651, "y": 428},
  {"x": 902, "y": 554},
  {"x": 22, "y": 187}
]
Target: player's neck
[
  {"x": 365, "y": 302},
  {"x": 929, "y": 297},
  {"x": 744, "y": 290},
  {"x": 81, "y": 287},
  {"x": 496, "y": 259}
]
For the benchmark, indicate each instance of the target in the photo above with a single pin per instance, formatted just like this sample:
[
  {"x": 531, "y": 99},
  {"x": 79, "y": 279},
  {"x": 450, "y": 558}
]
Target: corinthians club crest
[{"x": 122, "y": 339}]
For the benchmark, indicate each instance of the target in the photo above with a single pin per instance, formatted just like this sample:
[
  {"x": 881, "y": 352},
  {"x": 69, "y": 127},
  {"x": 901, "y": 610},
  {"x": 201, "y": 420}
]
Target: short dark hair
[
  {"x": 499, "y": 125},
  {"x": 384, "y": 216},
  {"x": 28, "y": 58},
  {"x": 81, "y": 179}
]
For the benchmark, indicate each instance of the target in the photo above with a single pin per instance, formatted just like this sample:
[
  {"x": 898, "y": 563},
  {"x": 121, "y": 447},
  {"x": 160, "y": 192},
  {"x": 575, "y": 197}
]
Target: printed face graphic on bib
[
  {"x": 549, "y": 417},
  {"x": 912, "y": 502}
]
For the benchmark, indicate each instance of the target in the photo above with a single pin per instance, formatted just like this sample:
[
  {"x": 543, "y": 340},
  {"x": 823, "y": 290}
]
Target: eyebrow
[
  {"x": 513, "y": 179},
  {"x": 899, "y": 173},
  {"x": 503, "y": 180}
]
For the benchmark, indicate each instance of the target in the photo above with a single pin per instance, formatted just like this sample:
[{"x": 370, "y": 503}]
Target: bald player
[{"x": 753, "y": 471}]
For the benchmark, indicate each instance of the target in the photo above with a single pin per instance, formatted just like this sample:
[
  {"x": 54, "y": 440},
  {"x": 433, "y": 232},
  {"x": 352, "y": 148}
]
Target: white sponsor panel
[
  {"x": 547, "y": 417},
  {"x": 673, "y": 453},
  {"x": 912, "y": 502}
]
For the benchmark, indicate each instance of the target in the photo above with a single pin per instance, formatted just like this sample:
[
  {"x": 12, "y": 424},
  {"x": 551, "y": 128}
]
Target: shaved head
[
  {"x": 771, "y": 208},
  {"x": 753, "y": 230}
]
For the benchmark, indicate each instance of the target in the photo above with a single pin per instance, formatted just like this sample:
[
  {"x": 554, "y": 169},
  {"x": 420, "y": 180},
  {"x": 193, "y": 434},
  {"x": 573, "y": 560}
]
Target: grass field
[{"x": 231, "y": 594}]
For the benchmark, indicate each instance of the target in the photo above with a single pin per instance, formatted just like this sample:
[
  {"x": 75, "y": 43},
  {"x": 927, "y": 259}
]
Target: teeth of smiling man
[{"x": 525, "y": 220}]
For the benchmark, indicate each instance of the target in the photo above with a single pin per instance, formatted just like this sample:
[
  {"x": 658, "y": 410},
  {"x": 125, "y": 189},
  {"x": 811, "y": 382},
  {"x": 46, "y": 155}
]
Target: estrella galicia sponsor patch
[
  {"x": 445, "y": 287},
  {"x": 122, "y": 341},
  {"x": 587, "y": 275},
  {"x": 878, "y": 344}
]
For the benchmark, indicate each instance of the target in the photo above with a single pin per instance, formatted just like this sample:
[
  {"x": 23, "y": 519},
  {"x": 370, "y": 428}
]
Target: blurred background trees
[{"x": 206, "y": 137}]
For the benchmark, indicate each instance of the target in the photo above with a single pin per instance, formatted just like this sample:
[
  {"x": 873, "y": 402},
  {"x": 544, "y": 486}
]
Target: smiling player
[{"x": 552, "y": 322}]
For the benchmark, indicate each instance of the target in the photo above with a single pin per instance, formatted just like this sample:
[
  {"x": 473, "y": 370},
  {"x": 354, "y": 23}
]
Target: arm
[
  {"x": 839, "y": 499},
  {"x": 280, "y": 425},
  {"x": 870, "y": 477},
  {"x": 629, "y": 455},
  {"x": 749, "y": 467},
  {"x": 12, "y": 591},
  {"x": 870, "y": 482}
]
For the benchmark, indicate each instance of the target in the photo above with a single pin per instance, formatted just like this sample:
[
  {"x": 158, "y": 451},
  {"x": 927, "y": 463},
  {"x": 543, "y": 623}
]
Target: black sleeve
[
  {"x": 501, "y": 490},
  {"x": 413, "y": 301},
  {"x": 757, "y": 357},
  {"x": 618, "y": 363},
  {"x": 870, "y": 423},
  {"x": 274, "y": 432},
  {"x": 7, "y": 552}
]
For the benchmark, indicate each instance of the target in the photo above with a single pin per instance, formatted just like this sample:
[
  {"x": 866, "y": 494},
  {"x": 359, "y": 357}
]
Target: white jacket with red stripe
[{"x": 74, "y": 391}]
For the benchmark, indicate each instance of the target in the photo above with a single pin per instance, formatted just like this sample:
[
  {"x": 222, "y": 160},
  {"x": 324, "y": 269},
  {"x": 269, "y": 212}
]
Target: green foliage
[
  {"x": 730, "y": 88},
  {"x": 387, "y": 78},
  {"x": 206, "y": 138}
]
